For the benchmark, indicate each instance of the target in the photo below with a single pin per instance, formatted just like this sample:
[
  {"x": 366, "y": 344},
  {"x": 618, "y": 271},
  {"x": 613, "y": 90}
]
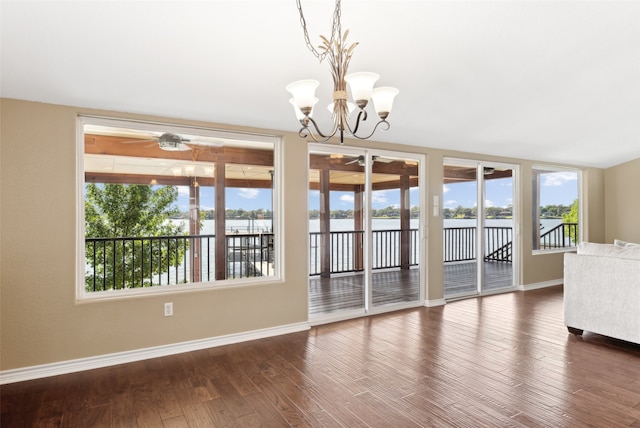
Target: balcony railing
[
  {"x": 120, "y": 263},
  {"x": 564, "y": 235},
  {"x": 460, "y": 244},
  {"x": 346, "y": 250}
]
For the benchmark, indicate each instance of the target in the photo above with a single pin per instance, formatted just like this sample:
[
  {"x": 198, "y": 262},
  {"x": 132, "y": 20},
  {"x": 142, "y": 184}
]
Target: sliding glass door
[
  {"x": 364, "y": 222},
  {"x": 479, "y": 227},
  {"x": 394, "y": 232}
]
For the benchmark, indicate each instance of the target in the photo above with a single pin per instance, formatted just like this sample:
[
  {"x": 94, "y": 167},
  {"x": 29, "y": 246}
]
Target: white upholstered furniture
[{"x": 602, "y": 290}]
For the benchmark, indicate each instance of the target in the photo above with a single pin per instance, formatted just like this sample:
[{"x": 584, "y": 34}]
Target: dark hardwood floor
[{"x": 501, "y": 360}]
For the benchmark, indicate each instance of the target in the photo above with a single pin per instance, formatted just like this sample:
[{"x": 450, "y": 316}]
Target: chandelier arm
[
  {"x": 382, "y": 121},
  {"x": 305, "y": 132},
  {"x": 362, "y": 116}
]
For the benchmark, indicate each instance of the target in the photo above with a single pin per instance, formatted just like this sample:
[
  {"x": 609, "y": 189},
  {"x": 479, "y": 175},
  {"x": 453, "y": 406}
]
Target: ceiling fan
[
  {"x": 166, "y": 141},
  {"x": 360, "y": 160}
]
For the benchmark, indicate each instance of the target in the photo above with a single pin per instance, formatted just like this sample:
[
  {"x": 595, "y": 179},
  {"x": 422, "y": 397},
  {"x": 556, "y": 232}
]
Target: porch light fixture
[{"x": 361, "y": 85}]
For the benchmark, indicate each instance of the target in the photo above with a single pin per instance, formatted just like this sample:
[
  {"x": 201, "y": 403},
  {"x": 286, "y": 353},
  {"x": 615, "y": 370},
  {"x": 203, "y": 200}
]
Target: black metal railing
[
  {"x": 498, "y": 244},
  {"x": 123, "y": 263},
  {"x": 564, "y": 235},
  {"x": 460, "y": 244},
  {"x": 135, "y": 262},
  {"x": 346, "y": 253},
  {"x": 250, "y": 255}
]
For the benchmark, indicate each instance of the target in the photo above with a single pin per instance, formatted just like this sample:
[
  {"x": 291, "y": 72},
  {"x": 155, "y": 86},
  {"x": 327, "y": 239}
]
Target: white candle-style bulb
[
  {"x": 304, "y": 93},
  {"x": 383, "y": 100},
  {"x": 361, "y": 86},
  {"x": 299, "y": 114}
]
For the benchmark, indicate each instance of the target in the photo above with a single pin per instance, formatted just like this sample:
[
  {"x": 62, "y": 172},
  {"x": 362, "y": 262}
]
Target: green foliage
[
  {"x": 554, "y": 211},
  {"x": 388, "y": 212},
  {"x": 239, "y": 213},
  {"x": 123, "y": 210},
  {"x": 460, "y": 212},
  {"x": 571, "y": 217}
]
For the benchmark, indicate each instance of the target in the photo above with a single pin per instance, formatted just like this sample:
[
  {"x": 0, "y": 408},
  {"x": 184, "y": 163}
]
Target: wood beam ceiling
[{"x": 132, "y": 147}]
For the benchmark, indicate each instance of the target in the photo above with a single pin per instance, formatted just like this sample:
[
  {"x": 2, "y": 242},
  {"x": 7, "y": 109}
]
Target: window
[
  {"x": 556, "y": 208},
  {"x": 169, "y": 208}
]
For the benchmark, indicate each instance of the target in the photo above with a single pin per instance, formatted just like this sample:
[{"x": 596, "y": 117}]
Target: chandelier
[{"x": 338, "y": 53}]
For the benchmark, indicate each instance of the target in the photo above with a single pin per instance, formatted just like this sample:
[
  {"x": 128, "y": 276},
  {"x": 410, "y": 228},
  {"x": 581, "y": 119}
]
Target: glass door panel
[
  {"x": 336, "y": 227},
  {"x": 497, "y": 267},
  {"x": 478, "y": 249},
  {"x": 364, "y": 217},
  {"x": 460, "y": 221},
  {"x": 394, "y": 237}
]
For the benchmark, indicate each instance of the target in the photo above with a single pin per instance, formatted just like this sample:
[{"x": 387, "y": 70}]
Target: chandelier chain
[{"x": 336, "y": 30}]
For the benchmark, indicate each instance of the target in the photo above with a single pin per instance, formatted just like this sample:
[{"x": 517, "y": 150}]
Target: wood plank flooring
[{"x": 501, "y": 360}]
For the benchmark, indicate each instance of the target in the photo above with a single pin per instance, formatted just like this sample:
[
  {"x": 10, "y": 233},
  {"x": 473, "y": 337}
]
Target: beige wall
[
  {"x": 622, "y": 202},
  {"x": 40, "y": 320}
]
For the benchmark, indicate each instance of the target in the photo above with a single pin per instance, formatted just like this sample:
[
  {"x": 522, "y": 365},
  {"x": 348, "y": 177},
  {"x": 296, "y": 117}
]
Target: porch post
[
  {"x": 405, "y": 222},
  {"x": 535, "y": 209},
  {"x": 325, "y": 224},
  {"x": 221, "y": 234},
  {"x": 358, "y": 225},
  {"x": 194, "y": 228}
]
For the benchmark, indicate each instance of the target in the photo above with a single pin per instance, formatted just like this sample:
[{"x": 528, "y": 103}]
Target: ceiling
[{"x": 551, "y": 81}]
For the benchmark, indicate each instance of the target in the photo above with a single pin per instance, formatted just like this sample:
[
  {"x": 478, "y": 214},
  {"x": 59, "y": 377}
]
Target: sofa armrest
[{"x": 602, "y": 295}]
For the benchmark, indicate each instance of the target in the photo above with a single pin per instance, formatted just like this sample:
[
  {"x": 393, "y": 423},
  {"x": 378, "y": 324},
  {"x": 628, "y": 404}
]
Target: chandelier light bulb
[
  {"x": 383, "y": 100},
  {"x": 299, "y": 114},
  {"x": 304, "y": 94},
  {"x": 361, "y": 85}
]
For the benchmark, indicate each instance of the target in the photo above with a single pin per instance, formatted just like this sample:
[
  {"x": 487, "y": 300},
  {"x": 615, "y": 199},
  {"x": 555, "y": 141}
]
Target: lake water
[{"x": 339, "y": 225}]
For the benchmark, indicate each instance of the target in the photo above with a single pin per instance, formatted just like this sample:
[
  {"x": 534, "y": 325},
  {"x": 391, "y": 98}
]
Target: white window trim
[
  {"x": 581, "y": 215},
  {"x": 83, "y": 296}
]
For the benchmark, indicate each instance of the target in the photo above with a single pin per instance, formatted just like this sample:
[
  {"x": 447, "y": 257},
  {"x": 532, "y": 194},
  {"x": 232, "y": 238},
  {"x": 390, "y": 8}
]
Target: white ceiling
[{"x": 554, "y": 81}]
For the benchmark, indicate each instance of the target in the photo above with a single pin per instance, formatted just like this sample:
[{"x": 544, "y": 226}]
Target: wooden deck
[
  {"x": 346, "y": 292},
  {"x": 461, "y": 278},
  {"x": 498, "y": 361}
]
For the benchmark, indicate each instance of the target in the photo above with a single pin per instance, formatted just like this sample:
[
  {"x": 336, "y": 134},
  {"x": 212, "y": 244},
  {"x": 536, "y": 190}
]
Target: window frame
[
  {"x": 535, "y": 220},
  {"x": 277, "y": 209}
]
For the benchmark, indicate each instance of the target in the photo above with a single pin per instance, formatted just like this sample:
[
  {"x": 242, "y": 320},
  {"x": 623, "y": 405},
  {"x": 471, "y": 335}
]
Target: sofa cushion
[
  {"x": 609, "y": 250},
  {"x": 621, "y": 243}
]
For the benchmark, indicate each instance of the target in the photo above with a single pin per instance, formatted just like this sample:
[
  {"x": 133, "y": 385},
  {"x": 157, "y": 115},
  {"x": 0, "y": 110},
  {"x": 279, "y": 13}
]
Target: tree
[
  {"x": 571, "y": 217},
  {"x": 128, "y": 211}
]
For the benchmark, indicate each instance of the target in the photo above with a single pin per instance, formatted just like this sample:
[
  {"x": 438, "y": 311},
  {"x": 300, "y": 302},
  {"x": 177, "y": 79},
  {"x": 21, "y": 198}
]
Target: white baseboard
[
  {"x": 72, "y": 366},
  {"x": 436, "y": 302},
  {"x": 544, "y": 284}
]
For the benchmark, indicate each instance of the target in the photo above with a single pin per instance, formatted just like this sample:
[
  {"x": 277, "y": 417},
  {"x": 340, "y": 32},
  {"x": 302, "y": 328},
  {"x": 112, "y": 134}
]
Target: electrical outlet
[{"x": 168, "y": 309}]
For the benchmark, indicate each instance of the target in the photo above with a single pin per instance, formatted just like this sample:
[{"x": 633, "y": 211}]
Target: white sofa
[{"x": 602, "y": 290}]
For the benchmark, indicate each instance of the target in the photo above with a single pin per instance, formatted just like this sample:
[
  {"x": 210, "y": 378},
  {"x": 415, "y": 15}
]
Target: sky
[
  {"x": 235, "y": 198},
  {"x": 556, "y": 188}
]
